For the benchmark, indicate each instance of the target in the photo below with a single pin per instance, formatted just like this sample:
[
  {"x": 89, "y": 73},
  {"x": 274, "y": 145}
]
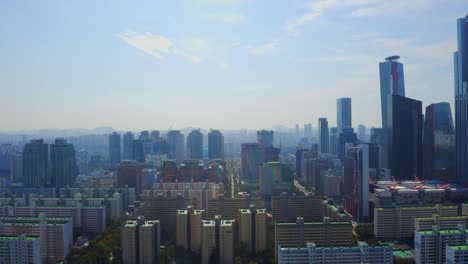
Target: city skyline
[{"x": 129, "y": 71}]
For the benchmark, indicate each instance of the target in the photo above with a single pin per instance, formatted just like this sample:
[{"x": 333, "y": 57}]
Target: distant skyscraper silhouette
[
  {"x": 138, "y": 152},
  {"x": 176, "y": 145},
  {"x": 439, "y": 143},
  {"x": 308, "y": 131},
  {"x": 461, "y": 104},
  {"x": 36, "y": 164},
  {"x": 332, "y": 144},
  {"x": 251, "y": 160},
  {"x": 362, "y": 133},
  {"x": 265, "y": 138},
  {"x": 323, "y": 134},
  {"x": 114, "y": 149},
  {"x": 215, "y": 145},
  {"x": 63, "y": 163},
  {"x": 404, "y": 137},
  {"x": 128, "y": 146},
  {"x": 344, "y": 113},
  {"x": 195, "y": 144}
]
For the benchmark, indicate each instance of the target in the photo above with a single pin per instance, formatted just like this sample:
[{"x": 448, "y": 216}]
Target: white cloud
[
  {"x": 156, "y": 45},
  {"x": 231, "y": 19},
  {"x": 224, "y": 2},
  {"x": 385, "y": 7},
  {"x": 315, "y": 9}
]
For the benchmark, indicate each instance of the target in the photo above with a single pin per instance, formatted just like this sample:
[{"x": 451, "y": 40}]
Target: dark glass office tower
[
  {"x": 128, "y": 146},
  {"x": 251, "y": 160},
  {"x": 176, "y": 145},
  {"x": 195, "y": 145},
  {"x": 439, "y": 143},
  {"x": 346, "y": 138},
  {"x": 114, "y": 150},
  {"x": 404, "y": 137},
  {"x": 215, "y": 145},
  {"x": 63, "y": 163},
  {"x": 138, "y": 150},
  {"x": 461, "y": 105},
  {"x": 324, "y": 137},
  {"x": 36, "y": 163},
  {"x": 344, "y": 114}
]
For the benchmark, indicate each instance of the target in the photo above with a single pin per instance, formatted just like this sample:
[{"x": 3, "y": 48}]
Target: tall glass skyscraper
[
  {"x": 439, "y": 143},
  {"x": 392, "y": 82},
  {"x": 461, "y": 107},
  {"x": 215, "y": 145},
  {"x": 114, "y": 149},
  {"x": 128, "y": 146},
  {"x": 344, "y": 114},
  {"x": 195, "y": 144},
  {"x": 404, "y": 137},
  {"x": 324, "y": 137},
  {"x": 63, "y": 163}
]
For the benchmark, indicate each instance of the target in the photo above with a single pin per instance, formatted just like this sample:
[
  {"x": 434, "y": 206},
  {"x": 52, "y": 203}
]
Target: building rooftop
[
  {"x": 403, "y": 253},
  {"x": 460, "y": 247}
]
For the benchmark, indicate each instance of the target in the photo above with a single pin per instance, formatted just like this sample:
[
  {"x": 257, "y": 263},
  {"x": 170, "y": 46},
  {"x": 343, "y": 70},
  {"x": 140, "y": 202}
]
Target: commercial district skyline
[{"x": 225, "y": 64}]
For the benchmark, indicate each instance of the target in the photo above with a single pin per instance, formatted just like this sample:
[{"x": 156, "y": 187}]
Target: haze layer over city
[{"x": 234, "y": 131}]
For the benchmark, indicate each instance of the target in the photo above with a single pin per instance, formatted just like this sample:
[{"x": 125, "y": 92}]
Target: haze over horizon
[{"x": 226, "y": 64}]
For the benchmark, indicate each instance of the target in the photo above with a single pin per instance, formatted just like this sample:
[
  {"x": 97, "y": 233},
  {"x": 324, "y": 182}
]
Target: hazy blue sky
[{"x": 215, "y": 63}]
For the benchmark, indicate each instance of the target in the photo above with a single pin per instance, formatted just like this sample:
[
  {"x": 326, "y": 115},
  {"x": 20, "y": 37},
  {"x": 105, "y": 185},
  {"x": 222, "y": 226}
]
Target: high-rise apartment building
[
  {"x": 215, "y": 145},
  {"x": 114, "y": 149},
  {"x": 252, "y": 229},
  {"x": 195, "y": 145},
  {"x": 141, "y": 241},
  {"x": 208, "y": 246},
  {"x": 63, "y": 163},
  {"x": 56, "y": 234},
  {"x": 226, "y": 241},
  {"x": 36, "y": 163},
  {"x": 461, "y": 103},
  {"x": 325, "y": 233},
  {"x": 128, "y": 146},
  {"x": 439, "y": 143},
  {"x": 323, "y": 134},
  {"x": 344, "y": 114},
  {"x": 182, "y": 229},
  {"x": 20, "y": 249},
  {"x": 176, "y": 145},
  {"x": 362, "y": 253},
  {"x": 196, "y": 230},
  {"x": 430, "y": 245},
  {"x": 404, "y": 137}
]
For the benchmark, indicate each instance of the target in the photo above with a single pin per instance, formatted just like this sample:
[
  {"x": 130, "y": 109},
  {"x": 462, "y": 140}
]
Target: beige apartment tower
[
  {"x": 182, "y": 229},
  {"x": 226, "y": 241},
  {"x": 208, "y": 240},
  {"x": 196, "y": 229}
]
